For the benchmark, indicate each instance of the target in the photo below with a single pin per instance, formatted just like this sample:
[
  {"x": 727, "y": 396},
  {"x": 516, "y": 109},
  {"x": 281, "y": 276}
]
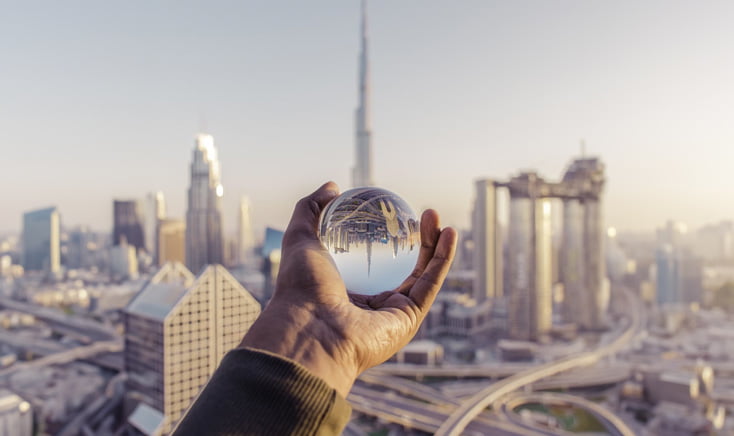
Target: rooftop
[{"x": 156, "y": 300}]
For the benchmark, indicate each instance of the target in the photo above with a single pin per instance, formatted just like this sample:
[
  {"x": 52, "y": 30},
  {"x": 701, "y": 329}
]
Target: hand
[{"x": 313, "y": 320}]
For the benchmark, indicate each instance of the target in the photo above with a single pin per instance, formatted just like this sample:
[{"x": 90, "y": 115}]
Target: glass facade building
[
  {"x": 41, "y": 240},
  {"x": 128, "y": 223}
]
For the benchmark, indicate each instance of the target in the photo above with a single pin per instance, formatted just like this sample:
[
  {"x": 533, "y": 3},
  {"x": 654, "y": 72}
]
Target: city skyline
[
  {"x": 581, "y": 148},
  {"x": 647, "y": 91}
]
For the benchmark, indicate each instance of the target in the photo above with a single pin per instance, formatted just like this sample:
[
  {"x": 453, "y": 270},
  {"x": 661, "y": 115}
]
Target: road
[
  {"x": 409, "y": 388},
  {"x": 495, "y": 370},
  {"x": 470, "y": 409},
  {"x": 611, "y": 422},
  {"x": 78, "y": 353},
  {"x": 597, "y": 375},
  {"x": 84, "y": 330},
  {"x": 425, "y": 417}
]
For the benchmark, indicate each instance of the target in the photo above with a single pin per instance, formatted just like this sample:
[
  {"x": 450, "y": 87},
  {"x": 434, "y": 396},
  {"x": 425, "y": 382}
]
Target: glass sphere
[{"x": 373, "y": 236}]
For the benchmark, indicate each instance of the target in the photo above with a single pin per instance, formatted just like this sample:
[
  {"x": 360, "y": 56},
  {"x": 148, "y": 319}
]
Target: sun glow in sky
[{"x": 103, "y": 101}]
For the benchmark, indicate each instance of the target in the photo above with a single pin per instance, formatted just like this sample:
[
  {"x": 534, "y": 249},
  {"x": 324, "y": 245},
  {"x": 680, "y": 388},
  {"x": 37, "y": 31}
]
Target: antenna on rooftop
[{"x": 583, "y": 148}]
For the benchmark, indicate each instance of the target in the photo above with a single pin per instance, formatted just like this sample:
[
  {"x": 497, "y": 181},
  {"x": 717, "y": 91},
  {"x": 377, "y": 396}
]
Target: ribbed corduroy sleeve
[{"x": 254, "y": 392}]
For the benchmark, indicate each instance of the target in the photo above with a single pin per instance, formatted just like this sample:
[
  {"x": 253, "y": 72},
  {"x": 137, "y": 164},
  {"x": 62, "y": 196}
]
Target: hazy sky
[{"x": 101, "y": 100}]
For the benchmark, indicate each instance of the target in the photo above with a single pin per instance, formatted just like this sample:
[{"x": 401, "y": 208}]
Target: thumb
[{"x": 305, "y": 216}]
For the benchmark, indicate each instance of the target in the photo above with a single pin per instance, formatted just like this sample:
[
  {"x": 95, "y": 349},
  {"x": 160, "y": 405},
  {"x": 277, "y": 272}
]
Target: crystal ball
[{"x": 373, "y": 236}]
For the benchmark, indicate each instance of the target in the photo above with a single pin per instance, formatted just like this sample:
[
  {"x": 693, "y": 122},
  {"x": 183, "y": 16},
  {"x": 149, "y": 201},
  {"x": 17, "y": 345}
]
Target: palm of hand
[
  {"x": 313, "y": 320},
  {"x": 362, "y": 329}
]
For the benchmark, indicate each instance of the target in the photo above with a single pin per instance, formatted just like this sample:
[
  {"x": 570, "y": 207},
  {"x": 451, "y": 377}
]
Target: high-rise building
[
  {"x": 530, "y": 311},
  {"x": 668, "y": 286},
  {"x": 271, "y": 258},
  {"x": 155, "y": 210},
  {"x": 41, "y": 240},
  {"x": 204, "y": 242},
  {"x": 583, "y": 266},
  {"x": 715, "y": 242},
  {"x": 177, "y": 330},
  {"x": 245, "y": 236},
  {"x": 123, "y": 261},
  {"x": 81, "y": 248},
  {"x": 16, "y": 416},
  {"x": 362, "y": 171},
  {"x": 171, "y": 241},
  {"x": 487, "y": 242},
  {"x": 533, "y": 261},
  {"x": 679, "y": 273},
  {"x": 128, "y": 223}
]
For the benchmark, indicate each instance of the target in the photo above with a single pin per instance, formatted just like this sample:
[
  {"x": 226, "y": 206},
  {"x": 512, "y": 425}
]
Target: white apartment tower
[{"x": 177, "y": 330}]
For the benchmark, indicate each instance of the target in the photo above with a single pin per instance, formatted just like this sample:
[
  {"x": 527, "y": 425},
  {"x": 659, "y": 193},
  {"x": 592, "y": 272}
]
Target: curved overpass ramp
[
  {"x": 470, "y": 409},
  {"x": 611, "y": 422}
]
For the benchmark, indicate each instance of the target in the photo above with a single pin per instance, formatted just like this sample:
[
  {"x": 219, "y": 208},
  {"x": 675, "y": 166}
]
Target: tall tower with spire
[
  {"x": 362, "y": 171},
  {"x": 204, "y": 212}
]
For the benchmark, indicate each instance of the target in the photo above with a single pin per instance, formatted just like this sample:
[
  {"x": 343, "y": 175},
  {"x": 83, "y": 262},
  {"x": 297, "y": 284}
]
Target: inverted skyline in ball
[{"x": 373, "y": 236}]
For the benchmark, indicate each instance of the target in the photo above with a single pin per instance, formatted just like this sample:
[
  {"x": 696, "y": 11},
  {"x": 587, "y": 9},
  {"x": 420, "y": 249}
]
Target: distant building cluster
[{"x": 523, "y": 262}]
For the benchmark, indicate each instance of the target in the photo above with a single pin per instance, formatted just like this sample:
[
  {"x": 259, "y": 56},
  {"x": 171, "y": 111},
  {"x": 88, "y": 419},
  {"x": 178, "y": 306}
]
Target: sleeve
[{"x": 254, "y": 392}]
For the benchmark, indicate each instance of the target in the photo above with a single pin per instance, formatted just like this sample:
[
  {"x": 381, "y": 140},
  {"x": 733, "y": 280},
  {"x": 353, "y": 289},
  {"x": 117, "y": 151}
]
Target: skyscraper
[
  {"x": 582, "y": 266},
  {"x": 530, "y": 264},
  {"x": 123, "y": 261},
  {"x": 529, "y": 259},
  {"x": 487, "y": 242},
  {"x": 171, "y": 241},
  {"x": 41, "y": 244},
  {"x": 155, "y": 210},
  {"x": 177, "y": 330},
  {"x": 667, "y": 283},
  {"x": 362, "y": 171},
  {"x": 82, "y": 248},
  {"x": 245, "y": 237},
  {"x": 204, "y": 244},
  {"x": 679, "y": 278},
  {"x": 127, "y": 222}
]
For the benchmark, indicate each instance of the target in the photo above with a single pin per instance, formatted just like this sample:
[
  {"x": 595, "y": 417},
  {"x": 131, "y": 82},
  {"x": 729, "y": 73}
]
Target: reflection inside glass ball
[{"x": 373, "y": 236}]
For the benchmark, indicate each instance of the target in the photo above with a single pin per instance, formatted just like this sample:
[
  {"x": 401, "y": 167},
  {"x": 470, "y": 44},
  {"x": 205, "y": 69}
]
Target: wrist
[{"x": 294, "y": 333}]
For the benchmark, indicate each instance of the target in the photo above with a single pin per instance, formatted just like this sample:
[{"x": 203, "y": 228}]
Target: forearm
[
  {"x": 257, "y": 393},
  {"x": 294, "y": 331}
]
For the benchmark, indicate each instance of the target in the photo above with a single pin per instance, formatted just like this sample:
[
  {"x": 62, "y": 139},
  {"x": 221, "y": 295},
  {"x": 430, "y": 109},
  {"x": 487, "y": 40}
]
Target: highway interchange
[{"x": 408, "y": 403}]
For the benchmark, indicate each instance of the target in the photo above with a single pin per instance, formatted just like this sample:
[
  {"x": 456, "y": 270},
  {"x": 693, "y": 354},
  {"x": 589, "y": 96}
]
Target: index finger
[{"x": 425, "y": 288}]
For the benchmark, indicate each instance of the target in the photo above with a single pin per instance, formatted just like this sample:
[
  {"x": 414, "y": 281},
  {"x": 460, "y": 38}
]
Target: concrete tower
[
  {"x": 362, "y": 171},
  {"x": 529, "y": 258},
  {"x": 487, "y": 242},
  {"x": 582, "y": 266},
  {"x": 204, "y": 213}
]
